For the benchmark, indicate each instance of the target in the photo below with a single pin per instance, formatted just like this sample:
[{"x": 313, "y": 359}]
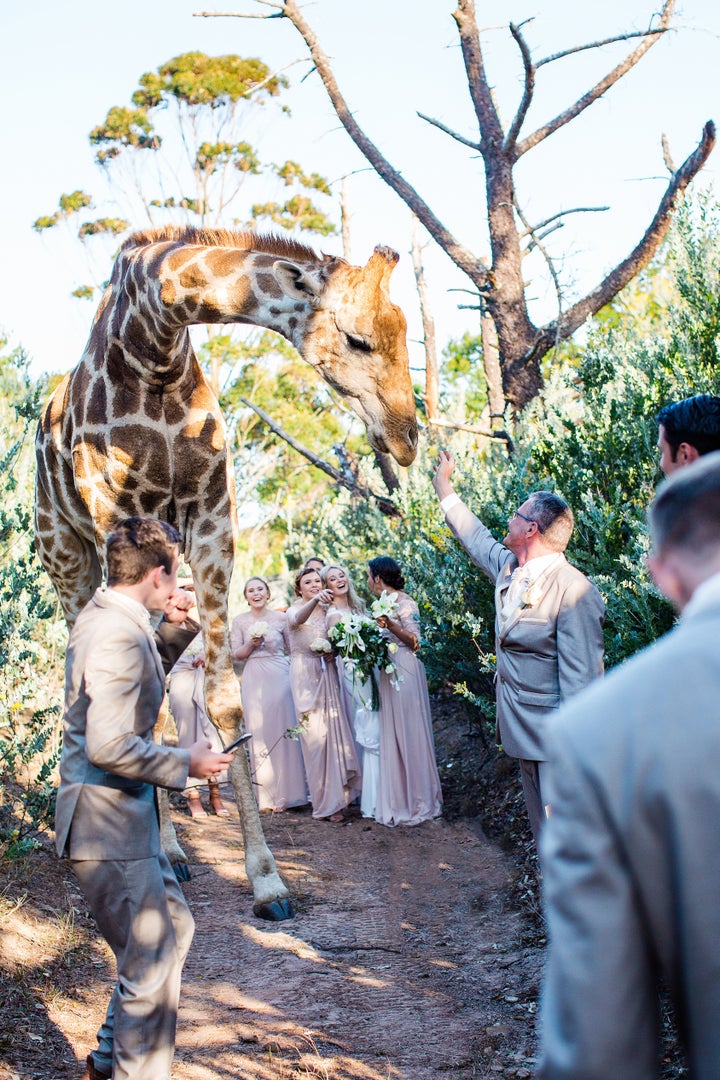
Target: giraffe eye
[{"x": 358, "y": 343}]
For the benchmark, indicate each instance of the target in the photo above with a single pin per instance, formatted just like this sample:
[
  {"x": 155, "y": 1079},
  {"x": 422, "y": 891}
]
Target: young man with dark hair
[
  {"x": 106, "y": 819},
  {"x": 688, "y": 429},
  {"x": 630, "y": 855}
]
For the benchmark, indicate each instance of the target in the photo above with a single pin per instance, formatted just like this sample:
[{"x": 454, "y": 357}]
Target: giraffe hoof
[
  {"x": 276, "y": 910},
  {"x": 181, "y": 871}
]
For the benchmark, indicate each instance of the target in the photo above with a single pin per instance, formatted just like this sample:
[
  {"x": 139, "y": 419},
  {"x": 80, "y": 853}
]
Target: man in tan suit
[
  {"x": 630, "y": 855},
  {"x": 548, "y": 625},
  {"x": 106, "y": 820}
]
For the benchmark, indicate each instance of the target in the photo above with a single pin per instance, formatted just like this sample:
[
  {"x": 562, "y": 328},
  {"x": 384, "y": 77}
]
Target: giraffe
[{"x": 135, "y": 429}]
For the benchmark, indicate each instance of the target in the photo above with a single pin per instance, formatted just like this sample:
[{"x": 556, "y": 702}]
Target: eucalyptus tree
[{"x": 184, "y": 151}]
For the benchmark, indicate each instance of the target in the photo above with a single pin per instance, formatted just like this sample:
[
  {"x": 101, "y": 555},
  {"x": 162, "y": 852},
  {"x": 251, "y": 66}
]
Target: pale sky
[{"x": 64, "y": 64}]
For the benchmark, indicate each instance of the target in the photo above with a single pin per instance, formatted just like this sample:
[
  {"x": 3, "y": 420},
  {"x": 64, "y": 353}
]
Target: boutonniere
[{"x": 531, "y": 595}]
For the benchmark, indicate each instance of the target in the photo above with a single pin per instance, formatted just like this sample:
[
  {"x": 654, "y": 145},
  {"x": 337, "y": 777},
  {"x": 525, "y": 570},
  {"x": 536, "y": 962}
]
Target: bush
[{"x": 29, "y": 737}]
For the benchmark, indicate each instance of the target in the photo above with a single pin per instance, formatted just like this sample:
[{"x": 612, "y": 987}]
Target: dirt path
[{"x": 405, "y": 961}]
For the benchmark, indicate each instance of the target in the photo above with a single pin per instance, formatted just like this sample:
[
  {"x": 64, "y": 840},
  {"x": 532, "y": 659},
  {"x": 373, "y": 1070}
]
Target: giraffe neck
[{"x": 191, "y": 285}]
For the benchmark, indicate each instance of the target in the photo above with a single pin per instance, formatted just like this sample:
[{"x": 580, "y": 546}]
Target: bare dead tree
[
  {"x": 432, "y": 374},
  {"x": 521, "y": 344}
]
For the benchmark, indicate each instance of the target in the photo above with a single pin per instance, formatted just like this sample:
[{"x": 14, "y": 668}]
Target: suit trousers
[
  {"x": 531, "y": 777},
  {"x": 142, "y": 914}
]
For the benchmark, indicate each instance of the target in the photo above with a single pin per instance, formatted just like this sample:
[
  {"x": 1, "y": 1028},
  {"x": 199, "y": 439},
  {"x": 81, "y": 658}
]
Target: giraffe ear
[{"x": 297, "y": 283}]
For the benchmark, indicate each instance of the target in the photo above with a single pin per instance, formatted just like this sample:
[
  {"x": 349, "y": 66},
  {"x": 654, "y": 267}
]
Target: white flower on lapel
[{"x": 531, "y": 596}]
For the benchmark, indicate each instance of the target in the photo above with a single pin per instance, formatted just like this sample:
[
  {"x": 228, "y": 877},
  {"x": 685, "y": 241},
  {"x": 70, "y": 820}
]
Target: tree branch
[
  {"x": 529, "y": 87},
  {"x": 562, "y": 213},
  {"x": 485, "y": 432},
  {"x": 638, "y": 259},
  {"x": 450, "y": 132},
  {"x": 460, "y": 255},
  {"x": 387, "y": 506},
  {"x": 595, "y": 45},
  {"x": 650, "y": 38}
]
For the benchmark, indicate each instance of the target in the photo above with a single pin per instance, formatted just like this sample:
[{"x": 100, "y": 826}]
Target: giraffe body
[{"x": 135, "y": 429}]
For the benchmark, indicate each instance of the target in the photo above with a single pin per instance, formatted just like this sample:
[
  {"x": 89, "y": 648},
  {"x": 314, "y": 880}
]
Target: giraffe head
[{"x": 354, "y": 336}]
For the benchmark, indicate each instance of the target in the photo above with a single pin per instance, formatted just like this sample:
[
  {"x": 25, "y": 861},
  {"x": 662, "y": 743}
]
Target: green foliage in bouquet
[{"x": 361, "y": 644}]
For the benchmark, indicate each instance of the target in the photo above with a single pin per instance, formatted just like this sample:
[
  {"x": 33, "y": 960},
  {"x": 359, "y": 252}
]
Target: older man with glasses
[{"x": 548, "y": 621}]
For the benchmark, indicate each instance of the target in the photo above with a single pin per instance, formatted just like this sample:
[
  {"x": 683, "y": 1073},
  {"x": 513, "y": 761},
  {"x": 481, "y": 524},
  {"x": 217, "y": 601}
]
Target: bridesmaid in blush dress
[
  {"x": 275, "y": 761},
  {"x": 326, "y": 739},
  {"x": 409, "y": 789}
]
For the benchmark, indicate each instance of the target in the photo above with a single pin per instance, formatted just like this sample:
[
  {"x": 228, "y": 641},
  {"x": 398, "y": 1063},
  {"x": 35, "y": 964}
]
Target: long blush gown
[
  {"x": 187, "y": 704},
  {"x": 409, "y": 788},
  {"x": 326, "y": 738},
  {"x": 275, "y": 761}
]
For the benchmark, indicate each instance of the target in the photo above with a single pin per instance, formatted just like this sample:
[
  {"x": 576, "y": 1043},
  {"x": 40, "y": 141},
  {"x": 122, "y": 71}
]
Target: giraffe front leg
[
  {"x": 223, "y": 706},
  {"x": 168, "y": 836}
]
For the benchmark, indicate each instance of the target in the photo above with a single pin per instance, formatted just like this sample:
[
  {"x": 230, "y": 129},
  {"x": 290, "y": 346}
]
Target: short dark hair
[
  {"x": 694, "y": 420},
  {"x": 138, "y": 545},
  {"x": 387, "y": 570},
  {"x": 553, "y": 517},
  {"x": 685, "y": 514}
]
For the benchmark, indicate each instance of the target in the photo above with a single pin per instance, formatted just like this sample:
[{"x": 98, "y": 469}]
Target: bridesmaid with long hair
[
  {"x": 326, "y": 739},
  {"x": 260, "y": 638},
  {"x": 409, "y": 789},
  {"x": 358, "y": 694}
]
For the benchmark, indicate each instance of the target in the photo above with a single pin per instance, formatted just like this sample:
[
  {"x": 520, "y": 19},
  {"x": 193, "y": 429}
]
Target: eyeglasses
[{"x": 524, "y": 517}]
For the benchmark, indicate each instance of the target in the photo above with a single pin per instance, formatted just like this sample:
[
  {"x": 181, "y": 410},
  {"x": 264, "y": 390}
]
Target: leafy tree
[
  {"x": 180, "y": 152},
  {"x": 28, "y": 717}
]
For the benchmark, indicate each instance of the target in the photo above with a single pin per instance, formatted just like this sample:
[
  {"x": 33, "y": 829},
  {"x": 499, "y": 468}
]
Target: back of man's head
[
  {"x": 138, "y": 545},
  {"x": 694, "y": 420},
  {"x": 685, "y": 515},
  {"x": 554, "y": 519}
]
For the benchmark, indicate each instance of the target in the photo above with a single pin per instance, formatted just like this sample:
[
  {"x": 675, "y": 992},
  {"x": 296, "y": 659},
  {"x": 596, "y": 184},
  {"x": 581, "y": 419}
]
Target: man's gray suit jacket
[
  {"x": 548, "y": 651},
  {"x": 114, "y": 686},
  {"x": 631, "y": 862}
]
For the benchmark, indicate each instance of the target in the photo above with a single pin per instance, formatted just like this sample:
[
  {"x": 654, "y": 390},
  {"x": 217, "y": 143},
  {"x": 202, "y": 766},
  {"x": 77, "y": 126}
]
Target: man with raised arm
[
  {"x": 106, "y": 819},
  {"x": 548, "y": 621}
]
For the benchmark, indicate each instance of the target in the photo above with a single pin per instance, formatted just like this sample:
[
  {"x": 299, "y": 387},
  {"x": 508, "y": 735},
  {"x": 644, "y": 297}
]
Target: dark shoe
[
  {"x": 92, "y": 1072},
  {"x": 216, "y": 803}
]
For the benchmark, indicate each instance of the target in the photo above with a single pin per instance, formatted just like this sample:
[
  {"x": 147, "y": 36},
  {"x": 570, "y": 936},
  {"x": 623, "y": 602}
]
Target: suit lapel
[
  {"x": 541, "y": 583},
  {"x": 105, "y": 599}
]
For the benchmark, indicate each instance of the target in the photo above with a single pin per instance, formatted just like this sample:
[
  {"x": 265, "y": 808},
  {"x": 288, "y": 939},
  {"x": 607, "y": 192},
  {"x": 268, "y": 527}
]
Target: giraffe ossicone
[{"x": 135, "y": 429}]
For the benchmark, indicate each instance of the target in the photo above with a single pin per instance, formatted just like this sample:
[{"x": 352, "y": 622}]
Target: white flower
[
  {"x": 531, "y": 596},
  {"x": 321, "y": 645},
  {"x": 390, "y": 669},
  {"x": 258, "y": 629},
  {"x": 392, "y": 647},
  {"x": 385, "y": 605}
]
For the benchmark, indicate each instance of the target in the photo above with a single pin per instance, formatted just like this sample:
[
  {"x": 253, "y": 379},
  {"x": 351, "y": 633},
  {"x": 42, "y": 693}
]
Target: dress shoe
[
  {"x": 195, "y": 807},
  {"x": 92, "y": 1072}
]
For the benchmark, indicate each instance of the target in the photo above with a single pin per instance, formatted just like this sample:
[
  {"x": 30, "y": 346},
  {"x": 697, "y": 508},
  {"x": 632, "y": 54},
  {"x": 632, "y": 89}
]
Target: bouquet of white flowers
[
  {"x": 321, "y": 645},
  {"x": 258, "y": 629},
  {"x": 385, "y": 606},
  {"x": 361, "y": 644}
]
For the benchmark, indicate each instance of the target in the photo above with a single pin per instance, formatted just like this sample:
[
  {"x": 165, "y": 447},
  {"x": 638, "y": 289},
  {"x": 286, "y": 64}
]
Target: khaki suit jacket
[
  {"x": 547, "y": 651},
  {"x": 631, "y": 864},
  {"x": 114, "y": 686}
]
